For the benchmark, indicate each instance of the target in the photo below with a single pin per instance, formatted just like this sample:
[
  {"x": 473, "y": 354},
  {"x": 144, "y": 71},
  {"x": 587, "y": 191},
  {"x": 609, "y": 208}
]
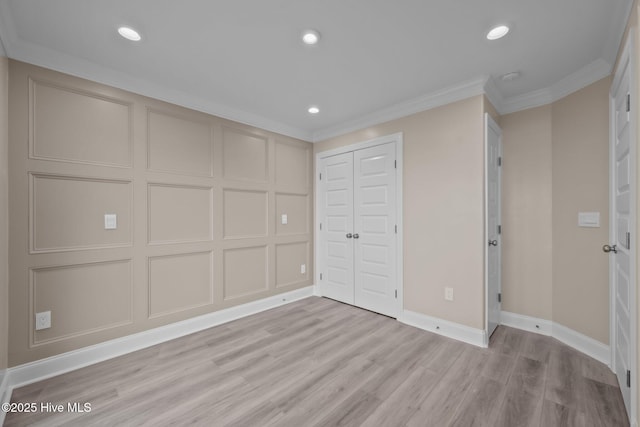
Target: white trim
[
  {"x": 425, "y": 102},
  {"x": 581, "y": 342},
  {"x": 587, "y": 345},
  {"x": 526, "y": 323},
  {"x": 397, "y": 139},
  {"x": 5, "y": 392},
  {"x": 49, "y": 58},
  {"x": 76, "y": 359},
  {"x": 456, "y": 331},
  {"x": 575, "y": 81},
  {"x": 627, "y": 61},
  {"x": 489, "y": 123},
  {"x": 492, "y": 92}
]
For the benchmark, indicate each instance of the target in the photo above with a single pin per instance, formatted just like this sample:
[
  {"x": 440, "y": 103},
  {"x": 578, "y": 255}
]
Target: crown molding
[
  {"x": 580, "y": 79},
  {"x": 44, "y": 57},
  {"x": 403, "y": 109},
  {"x": 492, "y": 92},
  {"x": 13, "y": 47}
]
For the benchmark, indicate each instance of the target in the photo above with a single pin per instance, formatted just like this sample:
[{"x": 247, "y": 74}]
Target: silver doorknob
[
  {"x": 611, "y": 248},
  {"x": 356, "y": 236},
  {"x": 349, "y": 235},
  {"x": 493, "y": 243}
]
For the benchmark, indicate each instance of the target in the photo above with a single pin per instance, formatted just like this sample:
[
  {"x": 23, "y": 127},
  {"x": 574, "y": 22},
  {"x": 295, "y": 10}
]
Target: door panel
[
  {"x": 336, "y": 217},
  {"x": 494, "y": 248},
  {"x": 375, "y": 220},
  {"x": 622, "y": 217}
]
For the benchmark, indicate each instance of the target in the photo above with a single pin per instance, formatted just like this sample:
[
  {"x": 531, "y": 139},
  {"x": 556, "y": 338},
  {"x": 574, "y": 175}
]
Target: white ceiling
[{"x": 377, "y": 59}]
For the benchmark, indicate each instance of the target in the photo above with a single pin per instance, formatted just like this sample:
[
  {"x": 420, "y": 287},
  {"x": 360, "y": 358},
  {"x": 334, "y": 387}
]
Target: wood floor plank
[
  {"x": 481, "y": 404},
  {"x": 441, "y": 404},
  {"x": 321, "y": 362},
  {"x": 405, "y": 401},
  {"x": 554, "y": 414}
]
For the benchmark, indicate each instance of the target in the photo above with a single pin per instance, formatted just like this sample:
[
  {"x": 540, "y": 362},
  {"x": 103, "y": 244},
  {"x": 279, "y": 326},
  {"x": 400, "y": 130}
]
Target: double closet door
[{"x": 358, "y": 228}]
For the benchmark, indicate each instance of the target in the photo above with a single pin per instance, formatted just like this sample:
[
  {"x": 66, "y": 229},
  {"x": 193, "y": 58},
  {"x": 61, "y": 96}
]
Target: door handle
[
  {"x": 493, "y": 243},
  {"x": 349, "y": 235},
  {"x": 356, "y": 236},
  {"x": 611, "y": 248}
]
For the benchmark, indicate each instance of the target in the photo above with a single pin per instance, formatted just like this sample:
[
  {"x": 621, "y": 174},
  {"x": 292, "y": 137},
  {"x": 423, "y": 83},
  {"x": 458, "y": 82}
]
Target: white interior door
[
  {"x": 493, "y": 158},
  {"x": 336, "y": 218},
  {"x": 375, "y": 229},
  {"x": 622, "y": 229}
]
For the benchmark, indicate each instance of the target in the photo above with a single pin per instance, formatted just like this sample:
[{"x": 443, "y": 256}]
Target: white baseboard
[
  {"x": 446, "y": 328},
  {"x": 5, "y": 392},
  {"x": 45, "y": 368},
  {"x": 593, "y": 348},
  {"x": 526, "y": 323}
]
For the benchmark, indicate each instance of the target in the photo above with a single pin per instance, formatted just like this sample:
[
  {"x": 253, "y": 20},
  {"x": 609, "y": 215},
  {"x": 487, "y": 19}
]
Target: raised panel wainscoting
[{"x": 196, "y": 199}]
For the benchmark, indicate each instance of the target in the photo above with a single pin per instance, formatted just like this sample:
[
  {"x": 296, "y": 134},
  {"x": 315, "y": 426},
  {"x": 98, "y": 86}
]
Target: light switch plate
[
  {"x": 448, "y": 294},
  {"x": 284, "y": 219},
  {"x": 303, "y": 268},
  {"x": 110, "y": 221},
  {"x": 589, "y": 219}
]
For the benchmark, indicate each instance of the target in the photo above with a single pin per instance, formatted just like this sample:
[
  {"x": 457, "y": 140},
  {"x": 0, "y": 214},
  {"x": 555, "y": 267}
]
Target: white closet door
[
  {"x": 374, "y": 234},
  {"x": 336, "y": 217},
  {"x": 494, "y": 203}
]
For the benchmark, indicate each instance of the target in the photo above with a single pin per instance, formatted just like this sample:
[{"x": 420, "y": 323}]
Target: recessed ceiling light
[
  {"x": 129, "y": 34},
  {"x": 313, "y": 110},
  {"x": 310, "y": 37},
  {"x": 497, "y": 32}
]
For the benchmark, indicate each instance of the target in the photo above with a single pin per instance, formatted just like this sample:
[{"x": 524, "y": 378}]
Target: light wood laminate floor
[{"x": 320, "y": 362}]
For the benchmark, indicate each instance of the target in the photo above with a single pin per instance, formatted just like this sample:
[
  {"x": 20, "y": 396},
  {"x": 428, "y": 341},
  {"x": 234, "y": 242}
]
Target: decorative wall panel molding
[
  {"x": 179, "y": 144},
  {"x": 82, "y": 298},
  {"x": 180, "y": 282},
  {"x": 73, "y": 125}
]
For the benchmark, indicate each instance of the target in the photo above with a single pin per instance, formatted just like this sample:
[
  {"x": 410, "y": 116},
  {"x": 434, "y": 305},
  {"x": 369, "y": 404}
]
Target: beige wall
[
  {"x": 197, "y": 200},
  {"x": 580, "y": 170},
  {"x": 556, "y": 165},
  {"x": 4, "y": 211},
  {"x": 526, "y": 213},
  {"x": 443, "y": 207}
]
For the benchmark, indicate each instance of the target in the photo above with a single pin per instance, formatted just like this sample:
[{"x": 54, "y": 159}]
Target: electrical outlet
[
  {"x": 43, "y": 320},
  {"x": 448, "y": 294},
  {"x": 303, "y": 268},
  {"x": 284, "y": 219}
]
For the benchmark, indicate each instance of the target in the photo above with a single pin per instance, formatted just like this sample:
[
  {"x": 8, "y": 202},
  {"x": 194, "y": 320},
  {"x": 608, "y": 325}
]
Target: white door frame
[
  {"x": 393, "y": 138},
  {"x": 489, "y": 122},
  {"x": 627, "y": 57}
]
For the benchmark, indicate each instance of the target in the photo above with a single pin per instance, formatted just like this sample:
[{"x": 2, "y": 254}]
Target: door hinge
[
  {"x": 499, "y": 229},
  {"x": 320, "y": 276},
  {"x": 396, "y": 229},
  {"x": 628, "y": 378},
  {"x": 395, "y": 164},
  {"x": 499, "y": 297},
  {"x": 321, "y": 177},
  {"x": 628, "y": 240},
  {"x": 628, "y": 102},
  {"x": 396, "y": 293},
  {"x": 499, "y": 161}
]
